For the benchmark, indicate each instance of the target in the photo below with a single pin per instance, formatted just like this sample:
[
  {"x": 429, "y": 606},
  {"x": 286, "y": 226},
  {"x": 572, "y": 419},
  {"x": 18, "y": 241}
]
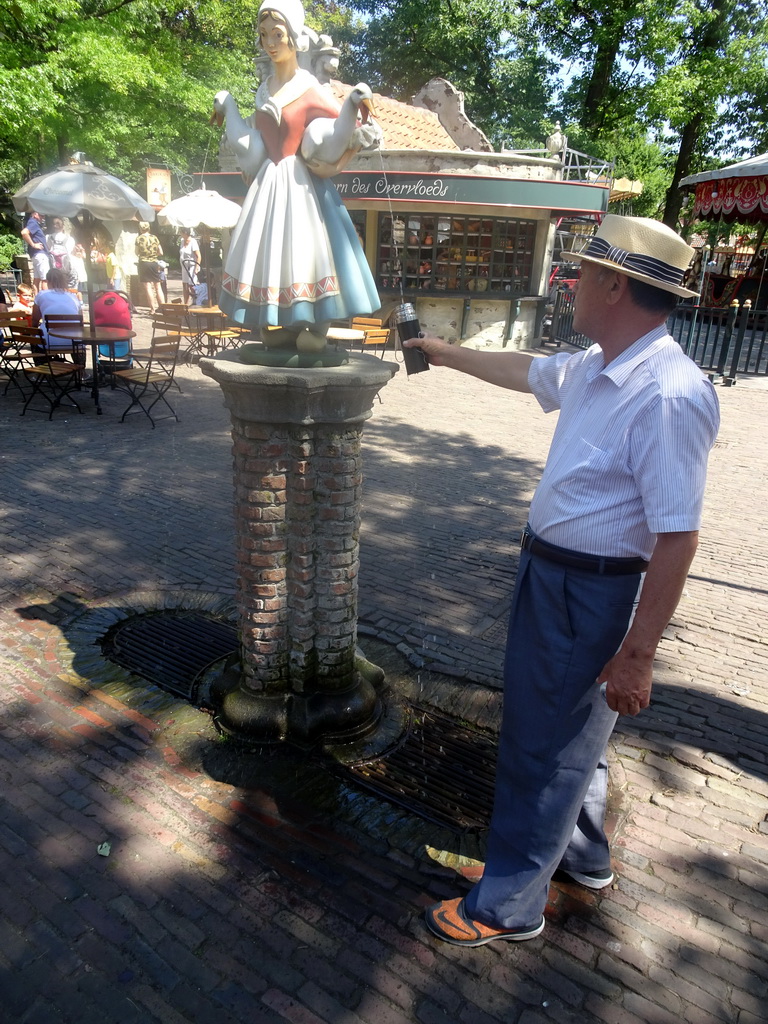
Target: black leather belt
[{"x": 577, "y": 560}]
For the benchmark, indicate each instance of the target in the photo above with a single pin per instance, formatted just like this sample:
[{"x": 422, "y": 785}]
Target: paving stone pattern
[{"x": 234, "y": 899}]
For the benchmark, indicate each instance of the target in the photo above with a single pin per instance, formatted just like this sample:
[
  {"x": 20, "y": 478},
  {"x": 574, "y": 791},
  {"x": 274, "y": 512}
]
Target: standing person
[
  {"x": 77, "y": 259},
  {"x": 163, "y": 267},
  {"x": 125, "y": 251},
  {"x": 189, "y": 258},
  {"x": 61, "y": 246},
  {"x": 613, "y": 528},
  {"x": 97, "y": 264},
  {"x": 149, "y": 251},
  {"x": 37, "y": 250},
  {"x": 114, "y": 270}
]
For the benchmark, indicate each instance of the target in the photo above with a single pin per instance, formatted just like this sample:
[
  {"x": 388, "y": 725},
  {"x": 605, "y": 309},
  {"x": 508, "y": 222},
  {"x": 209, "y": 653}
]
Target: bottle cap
[{"x": 403, "y": 313}]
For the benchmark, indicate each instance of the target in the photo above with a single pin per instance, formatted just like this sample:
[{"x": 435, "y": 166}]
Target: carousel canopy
[{"x": 737, "y": 192}]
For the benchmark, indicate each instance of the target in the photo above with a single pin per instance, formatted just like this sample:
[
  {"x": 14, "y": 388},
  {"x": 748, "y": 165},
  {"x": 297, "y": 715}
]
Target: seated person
[
  {"x": 25, "y": 298},
  {"x": 55, "y": 299},
  {"x": 3, "y": 301}
]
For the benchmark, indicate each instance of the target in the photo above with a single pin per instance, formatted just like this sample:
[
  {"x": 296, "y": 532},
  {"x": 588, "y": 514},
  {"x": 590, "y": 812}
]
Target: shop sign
[
  {"x": 446, "y": 189},
  {"x": 158, "y": 187},
  {"x": 409, "y": 186}
]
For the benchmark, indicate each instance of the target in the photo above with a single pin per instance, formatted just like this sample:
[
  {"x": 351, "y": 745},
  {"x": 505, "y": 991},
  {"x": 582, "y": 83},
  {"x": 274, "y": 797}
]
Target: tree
[
  {"x": 485, "y": 48},
  {"x": 691, "y": 76},
  {"x": 709, "y": 92},
  {"x": 656, "y": 85},
  {"x": 128, "y": 82}
]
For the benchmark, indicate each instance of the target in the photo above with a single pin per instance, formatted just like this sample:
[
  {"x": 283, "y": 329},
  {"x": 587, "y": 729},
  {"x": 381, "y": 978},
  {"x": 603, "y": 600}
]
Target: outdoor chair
[
  {"x": 14, "y": 353},
  {"x": 176, "y": 324},
  {"x": 8, "y": 317},
  {"x": 148, "y": 381},
  {"x": 173, "y": 319},
  {"x": 221, "y": 334},
  {"x": 375, "y": 333},
  {"x": 48, "y": 372},
  {"x": 59, "y": 322}
]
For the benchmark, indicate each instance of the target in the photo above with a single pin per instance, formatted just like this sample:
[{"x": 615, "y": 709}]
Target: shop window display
[{"x": 437, "y": 253}]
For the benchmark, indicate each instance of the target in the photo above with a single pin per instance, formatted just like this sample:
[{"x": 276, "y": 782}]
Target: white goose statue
[
  {"x": 328, "y": 140},
  {"x": 245, "y": 140}
]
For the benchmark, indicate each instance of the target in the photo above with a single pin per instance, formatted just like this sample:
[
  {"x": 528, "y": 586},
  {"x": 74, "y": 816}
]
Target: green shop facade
[{"x": 466, "y": 237}]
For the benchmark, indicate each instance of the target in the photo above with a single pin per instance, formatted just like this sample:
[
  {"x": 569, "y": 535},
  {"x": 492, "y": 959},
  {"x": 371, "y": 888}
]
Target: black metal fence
[
  {"x": 723, "y": 342},
  {"x": 562, "y": 331},
  {"x": 726, "y": 342}
]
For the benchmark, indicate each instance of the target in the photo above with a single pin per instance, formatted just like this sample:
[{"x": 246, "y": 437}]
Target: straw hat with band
[{"x": 644, "y": 249}]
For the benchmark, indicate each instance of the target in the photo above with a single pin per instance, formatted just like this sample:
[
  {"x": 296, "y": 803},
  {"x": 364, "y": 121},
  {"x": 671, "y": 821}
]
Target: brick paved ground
[{"x": 263, "y": 889}]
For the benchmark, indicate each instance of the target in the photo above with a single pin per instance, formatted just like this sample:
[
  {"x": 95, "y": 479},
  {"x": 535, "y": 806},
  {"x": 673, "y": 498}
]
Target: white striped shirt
[{"x": 629, "y": 455}]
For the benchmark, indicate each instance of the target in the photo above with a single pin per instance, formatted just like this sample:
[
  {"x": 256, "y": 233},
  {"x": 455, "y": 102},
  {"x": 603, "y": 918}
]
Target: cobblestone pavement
[{"x": 261, "y": 888}]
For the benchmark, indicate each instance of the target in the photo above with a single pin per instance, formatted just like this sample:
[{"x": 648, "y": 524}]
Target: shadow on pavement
[{"x": 253, "y": 889}]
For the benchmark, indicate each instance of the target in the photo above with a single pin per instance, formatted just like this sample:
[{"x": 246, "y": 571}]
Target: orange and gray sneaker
[{"x": 448, "y": 920}]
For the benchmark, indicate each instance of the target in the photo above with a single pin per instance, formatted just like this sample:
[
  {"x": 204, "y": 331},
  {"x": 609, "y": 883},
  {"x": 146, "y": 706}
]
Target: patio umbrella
[
  {"x": 203, "y": 209},
  {"x": 82, "y": 189}
]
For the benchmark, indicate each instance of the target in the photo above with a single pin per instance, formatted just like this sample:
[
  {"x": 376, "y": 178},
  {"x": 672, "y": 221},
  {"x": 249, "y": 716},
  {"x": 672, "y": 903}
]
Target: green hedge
[{"x": 10, "y": 246}]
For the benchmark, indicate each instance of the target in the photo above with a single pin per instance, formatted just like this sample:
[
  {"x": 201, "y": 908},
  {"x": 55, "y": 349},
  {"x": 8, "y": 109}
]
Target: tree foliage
[
  {"x": 659, "y": 86},
  {"x": 485, "y": 48},
  {"x": 690, "y": 77},
  {"x": 127, "y": 82}
]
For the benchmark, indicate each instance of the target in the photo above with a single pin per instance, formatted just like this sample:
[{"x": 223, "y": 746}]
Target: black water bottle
[{"x": 406, "y": 321}]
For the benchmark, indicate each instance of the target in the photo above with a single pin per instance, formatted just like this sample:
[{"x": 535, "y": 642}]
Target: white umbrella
[
  {"x": 201, "y": 208},
  {"x": 204, "y": 209},
  {"x": 82, "y": 188}
]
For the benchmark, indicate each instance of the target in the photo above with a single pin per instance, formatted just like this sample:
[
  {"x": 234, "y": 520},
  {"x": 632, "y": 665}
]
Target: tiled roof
[{"x": 404, "y": 126}]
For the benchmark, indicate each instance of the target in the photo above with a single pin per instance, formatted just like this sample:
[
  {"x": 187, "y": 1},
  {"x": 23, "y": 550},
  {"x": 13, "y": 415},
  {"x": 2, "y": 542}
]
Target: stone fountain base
[{"x": 298, "y": 478}]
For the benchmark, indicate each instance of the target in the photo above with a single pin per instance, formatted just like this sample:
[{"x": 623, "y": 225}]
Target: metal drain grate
[
  {"x": 497, "y": 633},
  {"x": 170, "y": 649},
  {"x": 442, "y": 771}
]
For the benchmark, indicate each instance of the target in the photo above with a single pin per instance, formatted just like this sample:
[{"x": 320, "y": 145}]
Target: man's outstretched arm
[{"x": 505, "y": 369}]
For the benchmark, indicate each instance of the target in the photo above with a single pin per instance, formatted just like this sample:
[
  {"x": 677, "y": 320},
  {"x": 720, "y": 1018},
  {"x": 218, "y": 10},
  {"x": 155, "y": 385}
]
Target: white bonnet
[{"x": 293, "y": 12}]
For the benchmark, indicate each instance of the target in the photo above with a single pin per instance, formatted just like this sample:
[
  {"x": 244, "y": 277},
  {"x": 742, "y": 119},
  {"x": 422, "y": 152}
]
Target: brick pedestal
[{"x": 298, "y": 476}]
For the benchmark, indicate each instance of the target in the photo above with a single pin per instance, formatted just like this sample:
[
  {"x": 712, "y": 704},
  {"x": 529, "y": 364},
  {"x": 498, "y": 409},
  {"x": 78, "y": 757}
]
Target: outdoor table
[
  {"x": 203, "y": 316},
  {"x": 211, "y": 318},
  {"x": 94, "y": 336},
  {"x": 345, "y": 336}
]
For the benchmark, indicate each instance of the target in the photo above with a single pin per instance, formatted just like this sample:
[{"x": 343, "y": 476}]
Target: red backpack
[{"x": 111, "y": 309}]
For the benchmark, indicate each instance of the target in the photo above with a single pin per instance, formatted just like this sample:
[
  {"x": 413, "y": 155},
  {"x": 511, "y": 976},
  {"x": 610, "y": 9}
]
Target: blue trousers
[{"x": 551, "y": 783}]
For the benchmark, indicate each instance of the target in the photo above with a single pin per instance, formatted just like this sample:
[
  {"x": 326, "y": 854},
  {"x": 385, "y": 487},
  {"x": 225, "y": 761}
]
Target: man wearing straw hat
[{"x": 613, "y": 528}]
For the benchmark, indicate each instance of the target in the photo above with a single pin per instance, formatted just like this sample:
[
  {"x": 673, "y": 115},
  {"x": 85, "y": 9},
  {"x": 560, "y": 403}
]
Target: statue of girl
[{"x": 295, "y": 261}]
